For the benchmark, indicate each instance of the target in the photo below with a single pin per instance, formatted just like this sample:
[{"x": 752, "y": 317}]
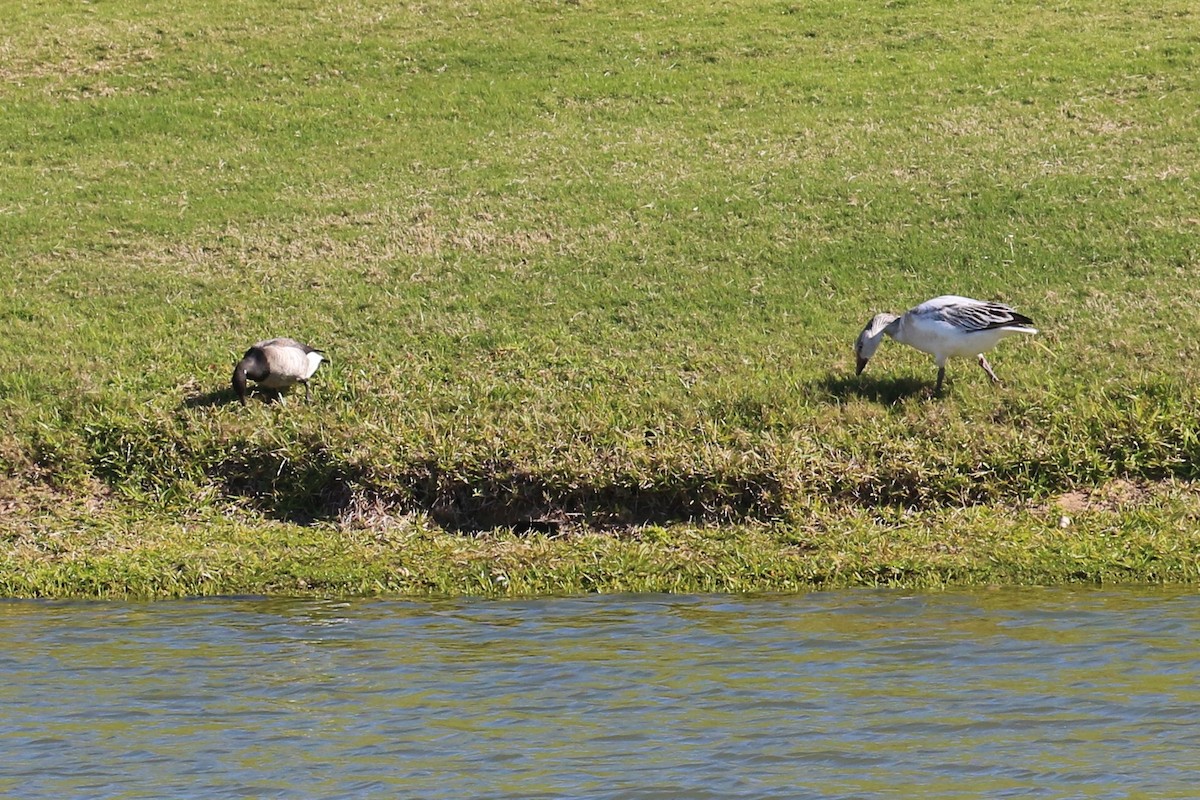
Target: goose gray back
[
  {"x": 946, "y": 327},
  {"x": 276, "y": 364}
]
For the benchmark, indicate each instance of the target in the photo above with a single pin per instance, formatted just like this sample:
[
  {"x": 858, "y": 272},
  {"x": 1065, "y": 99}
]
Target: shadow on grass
[
  {"x": 324, "y": 489},
  {"x": 869, "y": 387},
  {"x": 226, "y": 396},
  {"x": 218, "y": 397},
  {"x": 528, "y": 503}
]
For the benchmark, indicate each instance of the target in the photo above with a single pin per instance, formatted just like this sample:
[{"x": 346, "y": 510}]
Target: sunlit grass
[{"x": 591, "y": 267}]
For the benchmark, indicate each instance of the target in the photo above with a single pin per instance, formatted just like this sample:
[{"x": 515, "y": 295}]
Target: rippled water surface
[{"x": 1029, "y": 693}]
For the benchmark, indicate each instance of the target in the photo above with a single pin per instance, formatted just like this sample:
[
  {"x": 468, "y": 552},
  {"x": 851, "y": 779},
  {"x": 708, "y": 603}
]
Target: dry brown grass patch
[
  {"x": 1117, "y": 495},
  {"x": 86, "y": 51}
]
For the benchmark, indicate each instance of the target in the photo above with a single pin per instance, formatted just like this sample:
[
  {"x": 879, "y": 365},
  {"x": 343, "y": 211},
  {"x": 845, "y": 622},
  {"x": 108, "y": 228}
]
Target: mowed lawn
[{"x": 588, "y": 275}]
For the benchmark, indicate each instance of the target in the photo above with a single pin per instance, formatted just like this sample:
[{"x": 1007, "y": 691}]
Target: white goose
[
  {"x": 945, "y": 327},
  {"x": 276, "y": 364}
]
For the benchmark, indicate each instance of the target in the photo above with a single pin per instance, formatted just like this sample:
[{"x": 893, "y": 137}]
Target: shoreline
[{"x": 65, "y": 547}]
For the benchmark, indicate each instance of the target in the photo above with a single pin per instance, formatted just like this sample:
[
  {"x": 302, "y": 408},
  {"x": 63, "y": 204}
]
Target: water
[{"x": 1029, "y": 693}]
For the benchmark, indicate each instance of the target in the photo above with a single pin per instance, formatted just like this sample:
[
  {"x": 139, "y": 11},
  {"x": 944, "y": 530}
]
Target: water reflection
[{"x": 1054, "y": 693}]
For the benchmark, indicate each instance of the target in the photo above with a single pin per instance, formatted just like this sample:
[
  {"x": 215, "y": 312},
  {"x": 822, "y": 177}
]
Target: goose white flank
[
  {"x": 276, "y": 364},
  {"x": 945, "y": 327}
]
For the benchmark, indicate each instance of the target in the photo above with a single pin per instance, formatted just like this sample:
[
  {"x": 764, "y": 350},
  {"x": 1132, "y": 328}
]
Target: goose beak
[{"x": 862, "y": 364}]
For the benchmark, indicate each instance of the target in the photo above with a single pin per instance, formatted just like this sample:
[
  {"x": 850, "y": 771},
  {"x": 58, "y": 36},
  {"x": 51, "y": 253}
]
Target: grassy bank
[{"x": 589, "y": 275}]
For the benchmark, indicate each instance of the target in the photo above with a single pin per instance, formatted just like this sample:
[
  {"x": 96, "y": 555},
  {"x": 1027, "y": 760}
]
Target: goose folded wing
[{"x": 982, "y": 316}]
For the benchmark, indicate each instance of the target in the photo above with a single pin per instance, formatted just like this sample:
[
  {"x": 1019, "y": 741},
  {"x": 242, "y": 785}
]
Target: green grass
[{"x": 589, "y": 275}]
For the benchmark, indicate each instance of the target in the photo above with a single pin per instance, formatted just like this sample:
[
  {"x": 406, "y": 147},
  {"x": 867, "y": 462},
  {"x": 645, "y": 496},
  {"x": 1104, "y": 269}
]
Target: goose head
[
  {"x": 239, "y": 380},
  {"x": 252, "y": 366},
  {"x": 868, "y": 341}
]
